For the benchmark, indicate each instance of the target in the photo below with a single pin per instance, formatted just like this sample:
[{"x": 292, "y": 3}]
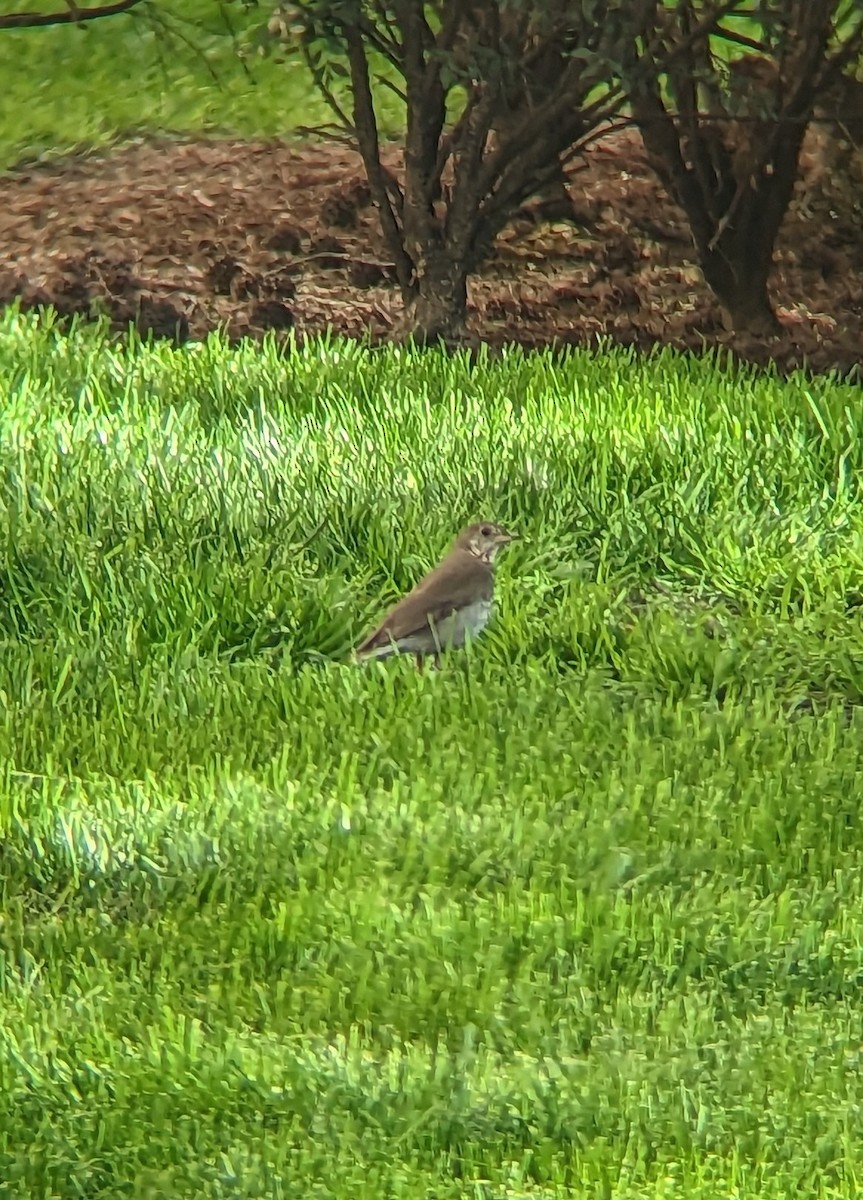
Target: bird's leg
[{"x": 419, "y": 659}]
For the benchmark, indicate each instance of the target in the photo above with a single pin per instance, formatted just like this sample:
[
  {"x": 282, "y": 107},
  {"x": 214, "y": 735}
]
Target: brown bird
[{"x": 453, "y": 601}]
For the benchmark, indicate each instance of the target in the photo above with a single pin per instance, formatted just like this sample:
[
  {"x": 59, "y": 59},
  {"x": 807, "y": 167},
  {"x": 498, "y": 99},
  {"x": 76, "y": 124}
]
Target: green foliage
[{"x": 579, "y": 914}]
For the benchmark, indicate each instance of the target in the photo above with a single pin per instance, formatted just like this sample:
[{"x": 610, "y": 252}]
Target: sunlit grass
[{"x": 579, "y": 914}]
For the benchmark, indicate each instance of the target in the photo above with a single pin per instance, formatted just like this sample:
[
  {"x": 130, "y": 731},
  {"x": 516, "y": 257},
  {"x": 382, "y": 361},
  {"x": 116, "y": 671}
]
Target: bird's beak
[{"x": 505, "y": 537}]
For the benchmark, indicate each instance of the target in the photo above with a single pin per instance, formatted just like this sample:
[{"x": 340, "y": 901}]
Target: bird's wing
[{"x": 457, "y": 581}]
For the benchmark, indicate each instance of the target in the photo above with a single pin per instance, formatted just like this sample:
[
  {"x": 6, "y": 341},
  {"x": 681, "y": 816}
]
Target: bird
[{"x": 453, "y": 601}]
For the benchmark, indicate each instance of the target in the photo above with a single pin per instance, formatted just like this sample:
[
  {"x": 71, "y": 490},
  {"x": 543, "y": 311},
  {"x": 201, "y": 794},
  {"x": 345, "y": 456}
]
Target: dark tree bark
[
  {"x": 436, "y": 311},
  {"x": 738, "y": 258}
]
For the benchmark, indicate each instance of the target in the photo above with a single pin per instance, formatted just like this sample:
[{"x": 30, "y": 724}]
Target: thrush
[{"x": 451, "y": 603}]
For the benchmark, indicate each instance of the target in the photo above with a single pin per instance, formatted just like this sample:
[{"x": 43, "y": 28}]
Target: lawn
[
  {"x": 580, "y": 914},
  {"x": 183, "y": 67}
]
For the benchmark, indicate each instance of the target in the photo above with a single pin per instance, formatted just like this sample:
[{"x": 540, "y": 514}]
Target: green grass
[
  {"x": 579, "y": 915},
  {"x": 194, "y": 71}
]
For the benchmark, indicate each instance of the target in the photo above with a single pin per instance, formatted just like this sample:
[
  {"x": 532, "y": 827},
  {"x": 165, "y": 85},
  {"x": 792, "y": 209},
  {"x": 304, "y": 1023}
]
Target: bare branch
[
  {"x": 72, "y": 16},
  {"x": 426, "y": 114},
  {"x": 365, "y": 122},
  {"x": 324, "y": 88},
  {"x": 454, "y": 136},
  {"x": 329, "y": 133},
  {"x": 740, "y": 39},
  {"x": 382, "y": 81},
  {"x": 385, "y": 22}
]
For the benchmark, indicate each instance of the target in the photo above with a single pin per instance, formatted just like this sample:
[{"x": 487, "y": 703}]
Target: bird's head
[{"x": 484, "y": 539}]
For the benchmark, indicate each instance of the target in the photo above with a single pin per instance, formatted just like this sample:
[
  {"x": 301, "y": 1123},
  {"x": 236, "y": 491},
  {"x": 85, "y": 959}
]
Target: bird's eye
[{"x": 486, "y": 531}]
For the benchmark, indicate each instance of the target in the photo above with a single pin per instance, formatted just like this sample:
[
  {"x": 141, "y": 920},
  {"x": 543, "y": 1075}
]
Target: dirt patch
[{"x": 185, "y": 237}]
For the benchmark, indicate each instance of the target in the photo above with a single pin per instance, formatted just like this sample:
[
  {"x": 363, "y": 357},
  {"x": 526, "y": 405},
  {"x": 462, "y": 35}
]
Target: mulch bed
[{"x": 184, "y": 237}]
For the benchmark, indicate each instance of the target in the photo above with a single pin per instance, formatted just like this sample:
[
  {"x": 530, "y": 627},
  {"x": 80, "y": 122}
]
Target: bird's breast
[{"x": 469, "y": 620}]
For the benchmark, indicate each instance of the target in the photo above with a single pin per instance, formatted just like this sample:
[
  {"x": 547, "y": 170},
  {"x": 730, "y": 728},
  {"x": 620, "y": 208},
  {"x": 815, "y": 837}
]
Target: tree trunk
[
  {"x": 734, "y": 230},
  {"x": 436, "y": 309},
  {"x": 737, "y": 270},
  {"x": 734, "y": 184}
]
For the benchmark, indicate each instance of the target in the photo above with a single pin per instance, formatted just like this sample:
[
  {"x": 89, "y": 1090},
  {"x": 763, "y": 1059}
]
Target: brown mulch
[{"x": 185, "y": 237}]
